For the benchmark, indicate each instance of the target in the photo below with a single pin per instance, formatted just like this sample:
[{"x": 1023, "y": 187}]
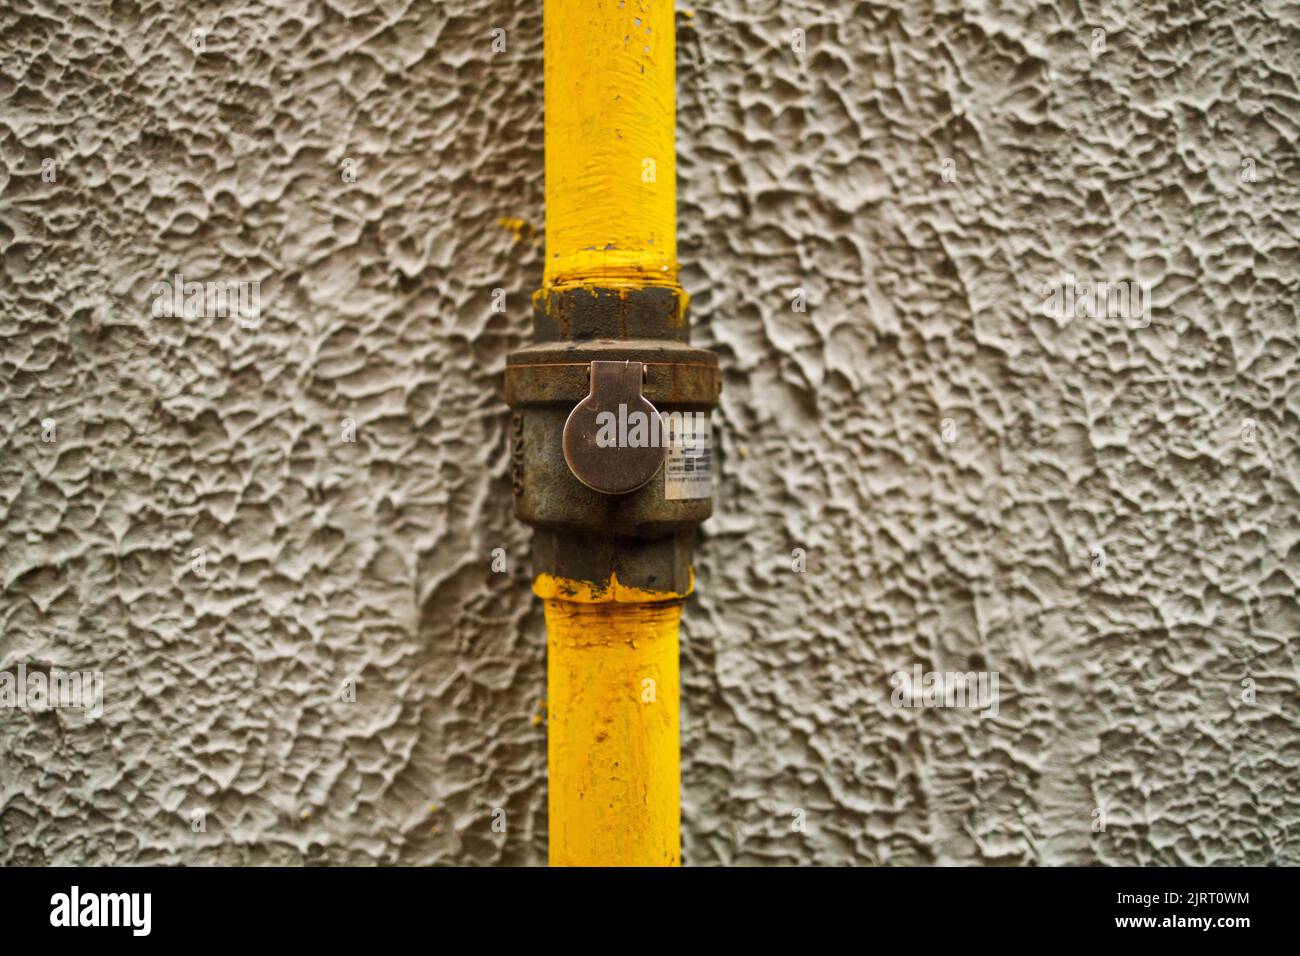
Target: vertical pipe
[
  {"x": 613, "y": 747},
  {"x": 611, "y": 224},
  {"x": 611, "y": 164}
]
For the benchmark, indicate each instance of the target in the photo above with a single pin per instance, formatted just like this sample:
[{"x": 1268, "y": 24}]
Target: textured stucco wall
[{"x": 1093, "y": 523}]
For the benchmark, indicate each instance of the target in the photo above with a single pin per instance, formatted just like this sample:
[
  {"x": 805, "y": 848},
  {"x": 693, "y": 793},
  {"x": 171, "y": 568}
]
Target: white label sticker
[{"x": 688, "y": 471}]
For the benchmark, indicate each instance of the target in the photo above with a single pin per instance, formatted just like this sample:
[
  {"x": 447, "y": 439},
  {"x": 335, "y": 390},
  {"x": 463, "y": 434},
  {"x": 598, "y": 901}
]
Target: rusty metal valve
[{"x": 610, "y": 371}]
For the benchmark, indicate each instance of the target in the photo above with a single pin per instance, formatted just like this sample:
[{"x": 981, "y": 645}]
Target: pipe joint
[{"x": 612, "y": 455}]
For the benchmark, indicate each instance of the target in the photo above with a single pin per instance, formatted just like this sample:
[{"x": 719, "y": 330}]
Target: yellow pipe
[
  {"x": 613, "y": 745},
  {"x": 611, "y": 163}
]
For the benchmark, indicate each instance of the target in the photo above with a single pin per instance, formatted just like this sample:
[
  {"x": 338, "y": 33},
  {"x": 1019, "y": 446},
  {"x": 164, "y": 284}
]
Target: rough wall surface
[{"x": 1100, "y": 510}]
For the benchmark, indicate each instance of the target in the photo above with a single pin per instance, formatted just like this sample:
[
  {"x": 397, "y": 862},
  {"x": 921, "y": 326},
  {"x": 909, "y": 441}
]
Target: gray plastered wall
[{"x": 1101, "y": 511}]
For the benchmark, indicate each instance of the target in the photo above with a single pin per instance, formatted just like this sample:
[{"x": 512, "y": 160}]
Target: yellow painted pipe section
[
  {"x": 611, "y": 163},
  {"x": 613, "y": 746},
  {"x": 611, "y": 221}
]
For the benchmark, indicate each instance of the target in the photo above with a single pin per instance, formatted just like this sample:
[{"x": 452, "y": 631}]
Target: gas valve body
[{"x": 612, "y": 448}]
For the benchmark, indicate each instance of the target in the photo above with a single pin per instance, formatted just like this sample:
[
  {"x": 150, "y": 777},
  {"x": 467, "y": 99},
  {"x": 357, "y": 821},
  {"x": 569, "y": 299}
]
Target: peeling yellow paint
[
  {"x": 622, "y": 281},
  {"x": 550, "y": 587}
]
